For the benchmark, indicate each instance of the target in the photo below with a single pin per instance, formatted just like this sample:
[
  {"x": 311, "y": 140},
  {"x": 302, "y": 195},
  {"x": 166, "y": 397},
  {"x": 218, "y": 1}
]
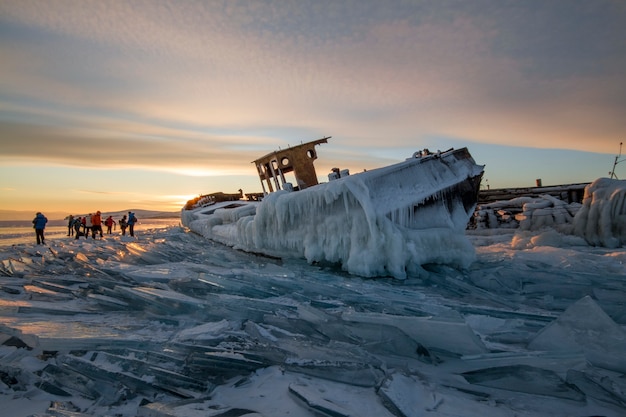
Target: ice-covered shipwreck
[{"x": 387, "y": 221}]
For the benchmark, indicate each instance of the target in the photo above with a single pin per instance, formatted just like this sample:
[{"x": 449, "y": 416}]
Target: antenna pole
[{"x": 617, "y": 161}]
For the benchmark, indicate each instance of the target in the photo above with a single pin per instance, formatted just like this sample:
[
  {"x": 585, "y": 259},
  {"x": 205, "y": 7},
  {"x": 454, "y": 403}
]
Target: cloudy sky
[{"x": 108, "y": 105}]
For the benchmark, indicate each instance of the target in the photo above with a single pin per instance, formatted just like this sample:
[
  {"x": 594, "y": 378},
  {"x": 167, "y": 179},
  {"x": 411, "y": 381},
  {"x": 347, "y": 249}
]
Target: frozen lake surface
[{"x": 170, "y": 324}]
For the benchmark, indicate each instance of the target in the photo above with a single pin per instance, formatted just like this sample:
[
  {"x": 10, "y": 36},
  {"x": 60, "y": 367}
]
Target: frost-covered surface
[
  {"x": 526, "y": 213},
  {"x": 600, "y": 219},
  {"x": 169, "y": 324},
  {"x": 367, "y": 222}
]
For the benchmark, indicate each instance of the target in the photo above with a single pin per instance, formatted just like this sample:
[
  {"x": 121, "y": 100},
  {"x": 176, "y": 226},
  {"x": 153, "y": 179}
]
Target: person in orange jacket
[{"x": 96, "y": 224}]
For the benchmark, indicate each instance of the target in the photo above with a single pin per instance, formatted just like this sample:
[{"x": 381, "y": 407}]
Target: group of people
[
  {"x": 85, "y": 225},
  {"x": 92, "y": 223}
]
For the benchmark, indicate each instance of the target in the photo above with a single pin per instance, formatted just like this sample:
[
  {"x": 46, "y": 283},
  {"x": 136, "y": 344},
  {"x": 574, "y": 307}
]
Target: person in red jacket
[
  {"x": 109, "y": 223},
  {"x": 96, "y": 224}
]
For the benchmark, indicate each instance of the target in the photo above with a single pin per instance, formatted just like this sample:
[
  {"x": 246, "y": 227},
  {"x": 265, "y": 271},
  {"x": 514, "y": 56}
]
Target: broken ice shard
[{"x": 585, "y": 326}]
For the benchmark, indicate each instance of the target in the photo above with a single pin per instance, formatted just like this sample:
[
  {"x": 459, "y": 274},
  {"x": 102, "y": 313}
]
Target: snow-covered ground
[{"x": 170, "y": 324}]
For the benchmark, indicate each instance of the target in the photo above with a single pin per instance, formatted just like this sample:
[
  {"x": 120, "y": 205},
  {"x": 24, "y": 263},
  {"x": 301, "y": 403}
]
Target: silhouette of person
[
  {"x": 123, "y": 225},
  {"x": 78, "y": 222},
  {"x": 70, "y": 225}
]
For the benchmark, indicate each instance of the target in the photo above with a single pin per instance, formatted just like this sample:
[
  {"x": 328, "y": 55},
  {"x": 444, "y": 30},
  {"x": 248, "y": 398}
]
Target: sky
[{"x": 109, "y": 105}]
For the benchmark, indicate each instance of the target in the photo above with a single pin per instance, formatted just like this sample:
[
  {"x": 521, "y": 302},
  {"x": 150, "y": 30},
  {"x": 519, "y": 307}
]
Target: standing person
[
  {"x": 87, "y": 224},
  {"x": 96, "y": 225},
  {"x": 78, "y": 222},
  {"x": 109, "y": 222},
  {"x": 131, "y": 223},
  {"x": 39, "y": 224},
  {"x": 123, "y": 225},
  {"x": 70, "y": 225}
]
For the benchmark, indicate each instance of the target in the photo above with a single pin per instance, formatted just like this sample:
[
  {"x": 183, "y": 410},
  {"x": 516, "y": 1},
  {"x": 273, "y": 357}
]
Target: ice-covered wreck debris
[
  {"x": 525, "y": 213},
  {"x": 383, "y": 222},
  {"x": 602, "y": 217}
]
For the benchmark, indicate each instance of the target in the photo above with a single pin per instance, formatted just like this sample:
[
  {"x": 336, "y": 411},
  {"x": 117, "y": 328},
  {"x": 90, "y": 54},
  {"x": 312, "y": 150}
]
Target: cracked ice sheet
[
  {"x": 82, "y": 332},
  {"x": 550, "y": 273},
  {"x": 270, "y": 392},
  {"x": 162, "y": 272},
  {"x": 585, "y": 326},
  {"x": 332, "y": 294}
]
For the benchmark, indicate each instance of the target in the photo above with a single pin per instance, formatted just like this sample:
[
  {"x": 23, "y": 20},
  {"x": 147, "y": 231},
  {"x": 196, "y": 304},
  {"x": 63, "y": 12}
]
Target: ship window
[{"x": 311, "y": 153}]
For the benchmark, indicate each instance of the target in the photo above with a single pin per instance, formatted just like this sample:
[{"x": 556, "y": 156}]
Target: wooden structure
[
  {"x": 209, "y": 199},
  {"x": 570, "y": 193},
  {"x": 295, "y": 159}
]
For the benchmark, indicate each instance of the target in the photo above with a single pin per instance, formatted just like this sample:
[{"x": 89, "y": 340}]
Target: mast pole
[{"x": 617, "y": 161}]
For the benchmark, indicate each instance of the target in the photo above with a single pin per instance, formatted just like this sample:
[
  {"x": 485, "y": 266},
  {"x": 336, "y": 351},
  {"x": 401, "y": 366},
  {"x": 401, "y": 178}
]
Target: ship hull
[{"x": 388, "y": 221}]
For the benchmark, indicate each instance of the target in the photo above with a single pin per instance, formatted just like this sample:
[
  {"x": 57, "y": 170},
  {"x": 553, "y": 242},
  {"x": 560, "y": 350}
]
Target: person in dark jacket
[
  {"x": 78, "y": 223},
  {"x": 123, "y": 225},
  {"x": 70, "y": 225},
  {"x": 39, "y": 224}
]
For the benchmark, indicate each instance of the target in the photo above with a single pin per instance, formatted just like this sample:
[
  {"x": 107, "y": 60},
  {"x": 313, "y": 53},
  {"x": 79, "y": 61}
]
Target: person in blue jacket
[
  {"x": 131, "y": 223},
  {"x": 39, "y": 224}
]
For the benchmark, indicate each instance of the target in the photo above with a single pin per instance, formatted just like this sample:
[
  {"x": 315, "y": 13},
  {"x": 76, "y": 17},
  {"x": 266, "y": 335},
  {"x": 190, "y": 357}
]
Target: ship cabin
[{"x": 297, "y": 161}]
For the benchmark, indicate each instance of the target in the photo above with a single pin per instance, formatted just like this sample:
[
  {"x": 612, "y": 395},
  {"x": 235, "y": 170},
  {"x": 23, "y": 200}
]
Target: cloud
[
  {"x": 209, "y": 85},
  {"x": 123, "y": 146}
]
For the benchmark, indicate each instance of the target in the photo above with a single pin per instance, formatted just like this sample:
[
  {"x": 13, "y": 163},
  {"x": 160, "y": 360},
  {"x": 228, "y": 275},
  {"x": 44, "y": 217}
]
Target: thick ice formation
[
  {"x": 340, "y": 225},
  {"x": 385, "y": 222},
  {"x": 526, "y": 213},
  {"x": 602, "y": 218}
]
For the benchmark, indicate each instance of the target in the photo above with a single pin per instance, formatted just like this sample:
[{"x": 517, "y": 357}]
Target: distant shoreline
[
  {"x": 55, "y": 216},
  {"x": 62, "y": 222}
]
